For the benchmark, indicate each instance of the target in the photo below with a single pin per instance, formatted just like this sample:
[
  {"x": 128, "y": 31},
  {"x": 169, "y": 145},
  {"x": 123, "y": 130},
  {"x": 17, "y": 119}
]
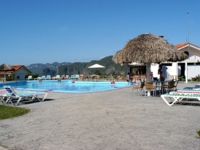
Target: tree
[{"x": 97, "y": 72}]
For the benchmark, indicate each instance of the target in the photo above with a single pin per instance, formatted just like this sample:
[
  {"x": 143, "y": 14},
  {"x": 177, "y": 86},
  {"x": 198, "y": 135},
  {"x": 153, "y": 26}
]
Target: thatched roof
[
  {"x": 5, "y": 67},
  {"x": 148, "y": 48}
]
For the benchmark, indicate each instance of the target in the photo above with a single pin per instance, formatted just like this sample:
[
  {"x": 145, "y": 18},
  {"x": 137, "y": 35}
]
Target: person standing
[
  {"x": 128, "y": 77},
  {"x": 164, "y": 72},
  {"x": 163, "y": 75},
  {"x": 160, "y": 72}
]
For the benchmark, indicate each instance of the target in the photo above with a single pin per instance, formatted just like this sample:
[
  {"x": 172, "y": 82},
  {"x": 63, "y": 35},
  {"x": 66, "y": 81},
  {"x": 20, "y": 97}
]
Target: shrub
[
  {"x": 198, "y": 132},
  {"x": 197, "y": 78},
  {"x": 181, "y": 78}
]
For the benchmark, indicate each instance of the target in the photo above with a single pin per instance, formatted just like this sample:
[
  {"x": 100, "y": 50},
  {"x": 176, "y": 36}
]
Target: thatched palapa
[
  {"x": 148, "y": 48},
  {"x": 5, "y": 67}
]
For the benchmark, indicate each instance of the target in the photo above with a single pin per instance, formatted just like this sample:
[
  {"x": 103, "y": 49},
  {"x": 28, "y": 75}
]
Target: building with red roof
[
  {"x": 18, "y": 73},
  {"x": 189, "y": 68}
]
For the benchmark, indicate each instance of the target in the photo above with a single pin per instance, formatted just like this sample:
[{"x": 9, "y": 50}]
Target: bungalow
[{"x": 18, "y": 73}]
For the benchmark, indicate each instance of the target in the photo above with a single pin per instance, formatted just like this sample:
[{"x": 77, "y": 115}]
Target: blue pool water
[{"x": 67, "y": 86}]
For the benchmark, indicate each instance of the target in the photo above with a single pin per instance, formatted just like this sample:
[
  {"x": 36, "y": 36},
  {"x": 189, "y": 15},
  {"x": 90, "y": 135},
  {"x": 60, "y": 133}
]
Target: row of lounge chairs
[
  {"x": 48, "y": 77},
  {"x": 77, "y": 77},
  {"x": 14, "y": 97}
]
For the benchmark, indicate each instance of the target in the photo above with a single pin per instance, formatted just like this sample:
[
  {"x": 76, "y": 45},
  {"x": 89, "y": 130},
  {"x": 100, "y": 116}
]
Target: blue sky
[{"x": 47, "y": 31}]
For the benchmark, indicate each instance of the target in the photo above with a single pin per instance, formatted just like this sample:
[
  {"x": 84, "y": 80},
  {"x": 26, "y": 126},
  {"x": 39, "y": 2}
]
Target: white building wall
[
  {"x": 154, "y": 70},
  {"x": 172, "y": 71},
  {"x": 193, "y": 71},
  {"x": 193, "y": 53},
  {"x": 194, "y": 56},
  {"x": 21, "y": 73}
]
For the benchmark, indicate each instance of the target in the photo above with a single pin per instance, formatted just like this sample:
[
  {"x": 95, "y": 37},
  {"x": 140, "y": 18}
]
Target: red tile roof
[
  {"x": 178, "y": 46},
  {"x": 15, "y": 68},
  {"x": 181, "y": 45}
]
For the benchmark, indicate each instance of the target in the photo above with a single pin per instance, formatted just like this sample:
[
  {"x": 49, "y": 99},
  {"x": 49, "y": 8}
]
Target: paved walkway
[{"x": 112, "y": 120}]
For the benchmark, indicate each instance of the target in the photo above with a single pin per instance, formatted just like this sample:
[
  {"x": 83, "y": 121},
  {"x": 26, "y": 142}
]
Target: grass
[{"x": 11, "y": 111}]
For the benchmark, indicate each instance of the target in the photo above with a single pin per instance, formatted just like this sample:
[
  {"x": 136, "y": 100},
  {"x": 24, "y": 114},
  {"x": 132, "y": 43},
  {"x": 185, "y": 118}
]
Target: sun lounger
[
  {"x": 30, "y": 78},
  {"x": 2, "y": 97},
  {"x": 57, "y": 77},
  {"x": 13, "y": 95},
  {"x": 179, "y": 96},
  {"x": 72, "y": 77},
  {"x": 48, "y": 77},
  {"x": 77, "y": 77},
  {"x": 43, "y": 77}
]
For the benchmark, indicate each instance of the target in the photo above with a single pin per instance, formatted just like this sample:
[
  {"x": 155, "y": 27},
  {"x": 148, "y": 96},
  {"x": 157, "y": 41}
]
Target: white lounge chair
[
  {"x": 12, "y": 95},
  {"x": 30, "y": 78},
  {"x": 77, "y": 77},
  {"x": 178, "y": 96},
  {"x": 43, "y": 77},
  {"x": 57, "y": 77},
  {"x": 48, "y": 77},
  {"x": 72, "y": 77},
  {"x": 2, "y": 97}
]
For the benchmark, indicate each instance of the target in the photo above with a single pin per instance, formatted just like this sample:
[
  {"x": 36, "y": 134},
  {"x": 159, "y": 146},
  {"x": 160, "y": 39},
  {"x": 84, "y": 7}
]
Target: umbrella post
[
  {"x": 148, "y": 71},
  {"x": 186, "y": 72},
  {"x": 4, "y": 76},
  {"x": 148, "y": 76}
]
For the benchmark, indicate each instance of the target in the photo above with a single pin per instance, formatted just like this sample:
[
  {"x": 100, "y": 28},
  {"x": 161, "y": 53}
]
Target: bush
[
  {"x": 181, "y": 78},
  {"x": 198, "y": 132},
  {"x": 197, "y": 78},
  {"x": 97, "y": 72},
  {"x": 33, "y": 75}
]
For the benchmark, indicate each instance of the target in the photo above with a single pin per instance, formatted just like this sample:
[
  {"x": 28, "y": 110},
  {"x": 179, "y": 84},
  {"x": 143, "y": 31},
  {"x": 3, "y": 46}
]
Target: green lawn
[{"x": 11, "y": 111}]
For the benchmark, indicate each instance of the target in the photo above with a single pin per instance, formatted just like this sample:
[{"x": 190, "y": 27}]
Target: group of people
[
  {"x": 162, "y": 71},
  {"x": 129, "y": 79}
]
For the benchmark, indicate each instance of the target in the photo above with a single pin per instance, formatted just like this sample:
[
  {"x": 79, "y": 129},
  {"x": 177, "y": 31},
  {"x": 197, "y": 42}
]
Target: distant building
[{"x": 19, "y": 72}]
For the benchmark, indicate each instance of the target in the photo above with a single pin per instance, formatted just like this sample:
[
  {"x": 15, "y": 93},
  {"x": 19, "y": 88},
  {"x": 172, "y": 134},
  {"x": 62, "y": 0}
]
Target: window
[
  {"x": 187, "y": 53},
  {"x": 18, "y": 77}
]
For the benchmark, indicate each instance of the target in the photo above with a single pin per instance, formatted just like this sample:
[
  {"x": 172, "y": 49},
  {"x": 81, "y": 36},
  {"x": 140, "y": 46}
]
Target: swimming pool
[{"x": 67, "y": 86}]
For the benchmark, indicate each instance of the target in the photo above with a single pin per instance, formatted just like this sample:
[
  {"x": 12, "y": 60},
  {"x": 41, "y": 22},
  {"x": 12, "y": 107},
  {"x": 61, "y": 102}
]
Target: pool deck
[{"x": 111, "y": 120}]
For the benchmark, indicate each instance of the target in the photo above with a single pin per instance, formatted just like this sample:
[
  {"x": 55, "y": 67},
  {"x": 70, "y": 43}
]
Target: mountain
[
  {"x": 79, "y": 68},
  {"x": 47, "y": 68}
]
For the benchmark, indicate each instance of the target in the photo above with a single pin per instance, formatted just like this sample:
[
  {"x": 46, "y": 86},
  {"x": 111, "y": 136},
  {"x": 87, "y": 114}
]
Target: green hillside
[{"x": 81, "y": 68}]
